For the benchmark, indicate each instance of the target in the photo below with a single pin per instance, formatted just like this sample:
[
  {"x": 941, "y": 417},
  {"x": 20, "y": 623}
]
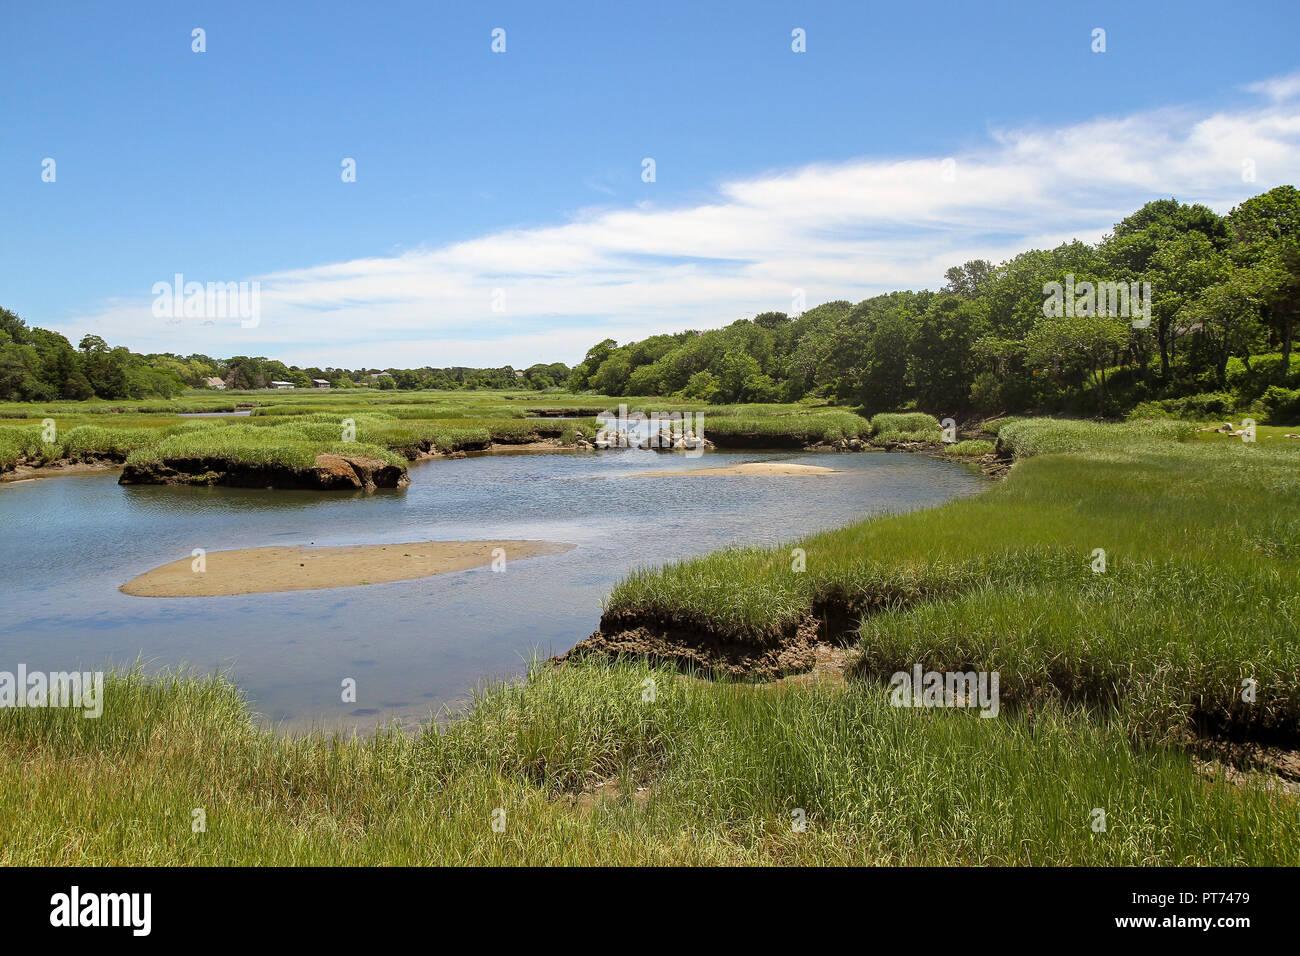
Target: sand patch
[
  {"x": 749, "y": 468},
  {"x": 267, "y": 570}
]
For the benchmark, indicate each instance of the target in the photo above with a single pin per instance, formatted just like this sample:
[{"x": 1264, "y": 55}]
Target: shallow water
[{"x": 416, "y": 646}]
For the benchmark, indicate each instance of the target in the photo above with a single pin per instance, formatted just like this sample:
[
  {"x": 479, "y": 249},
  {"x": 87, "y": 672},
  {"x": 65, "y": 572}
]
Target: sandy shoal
[
  {"x": 749, "y": 468},
  {"x": 296, "y": 568}
]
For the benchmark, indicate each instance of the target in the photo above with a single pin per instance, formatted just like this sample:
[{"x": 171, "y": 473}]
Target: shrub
[
  {"x": 1198, "y": 407},
  {"x": 1281, "y": 405},
  {"x": 1250, "y": 384}
]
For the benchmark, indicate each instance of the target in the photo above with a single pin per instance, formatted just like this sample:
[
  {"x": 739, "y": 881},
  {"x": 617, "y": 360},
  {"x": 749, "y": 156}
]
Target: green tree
[
  {"x": 1267, "y": 231},
  {"x": 1074, "y": 344}
]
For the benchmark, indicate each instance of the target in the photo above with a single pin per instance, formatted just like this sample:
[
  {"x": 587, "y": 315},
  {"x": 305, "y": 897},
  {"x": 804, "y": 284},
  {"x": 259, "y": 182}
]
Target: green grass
[
  {"x": 1024, "y": 437},
  {"x": 780, "y": 425},
  {"x": 889, "y": 428},
  {"x": 724, "y": 768},
  {"x": 971, "y": 448}
]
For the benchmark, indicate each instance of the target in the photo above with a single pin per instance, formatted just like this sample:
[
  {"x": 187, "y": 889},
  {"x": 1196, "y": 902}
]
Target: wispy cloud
[{"x": 844, "y": 230}]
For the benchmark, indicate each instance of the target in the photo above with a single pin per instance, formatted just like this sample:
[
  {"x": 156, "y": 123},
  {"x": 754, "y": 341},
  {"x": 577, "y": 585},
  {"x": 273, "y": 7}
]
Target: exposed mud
[
  {"x": 752, "y": 440},
  {"x": 769, "y": 468},
  {"x": 702, "y": 652},
  {"x": 995, "y": 465},
  {"x": 27, "y": 469},
  {"x": 566, "y": 412},
  {"x": 1248, "y": 764},
  {"x": 607, "y": 792}
]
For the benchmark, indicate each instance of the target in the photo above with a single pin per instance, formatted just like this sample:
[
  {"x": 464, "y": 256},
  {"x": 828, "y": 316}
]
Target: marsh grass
[
  {"x": 891, "y": 428},
  {"x": 1023, "y": 437},
  {"x": 781, "y": 424},
  {"x": 970, "y": 448},
  {"x": 290, "y": 446},
  {"x": 723, "y": 766},
  {"x": 286, "y": 429}
]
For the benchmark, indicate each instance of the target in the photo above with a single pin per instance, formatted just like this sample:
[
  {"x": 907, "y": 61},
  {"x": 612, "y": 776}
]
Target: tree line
[
  {"x": 39, "y": 365},
  {"x": 1223, "y": 296}
]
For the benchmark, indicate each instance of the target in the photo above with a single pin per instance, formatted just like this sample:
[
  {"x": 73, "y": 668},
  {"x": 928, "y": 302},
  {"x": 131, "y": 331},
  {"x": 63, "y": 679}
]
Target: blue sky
[{"x": 499, "y": 213}]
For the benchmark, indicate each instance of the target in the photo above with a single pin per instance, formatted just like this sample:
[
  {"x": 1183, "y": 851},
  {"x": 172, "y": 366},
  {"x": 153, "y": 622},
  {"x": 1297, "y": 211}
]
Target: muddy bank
[
  {"x": 566, "y": 412},
  {"x": 277, "y": 569},
  {"x": 748, "y": 440},
  {"x": 710, "y": 653},
  {"x": 27, "y": 470},
  {"x": 739, "y": 652},
  {"x": 500, "y": 447},
  {"x": 329, "y": 473},
  {"x": 995, "y": 465}
]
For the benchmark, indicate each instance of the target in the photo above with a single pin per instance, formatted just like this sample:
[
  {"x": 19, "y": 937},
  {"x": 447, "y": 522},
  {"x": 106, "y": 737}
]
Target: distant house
[
  {"x": 519, "y": 374},
  {"x": 374, "y": 376},
  {"x": 214, "y": 382},
  {"x": 320, "y": 382},
  {"x": 282, "y": 384}
]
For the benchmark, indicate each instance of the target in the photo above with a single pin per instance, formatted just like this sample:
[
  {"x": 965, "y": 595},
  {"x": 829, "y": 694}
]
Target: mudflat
[
  {"x": 303, "y": 568},
  {"x": 748, "y": 468}
]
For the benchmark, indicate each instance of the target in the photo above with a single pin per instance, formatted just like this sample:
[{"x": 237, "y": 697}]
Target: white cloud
[{"x": 845, "y": 230}]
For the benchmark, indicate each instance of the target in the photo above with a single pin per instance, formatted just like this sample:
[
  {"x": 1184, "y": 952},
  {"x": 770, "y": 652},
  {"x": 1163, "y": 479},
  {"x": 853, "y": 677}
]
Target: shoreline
[
  {"x": 995, "y": 466},
  {"x": 56, "y": 469}
]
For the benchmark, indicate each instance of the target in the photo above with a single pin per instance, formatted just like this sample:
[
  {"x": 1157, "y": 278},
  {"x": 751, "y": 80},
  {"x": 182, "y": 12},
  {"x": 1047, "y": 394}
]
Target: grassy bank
[{"x": 768, "y": 426}]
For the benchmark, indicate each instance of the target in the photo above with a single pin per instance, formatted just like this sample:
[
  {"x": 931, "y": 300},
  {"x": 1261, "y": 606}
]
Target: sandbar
[
  {"x": 748, "y": 468},
  {"x": 302, "y": 568}
]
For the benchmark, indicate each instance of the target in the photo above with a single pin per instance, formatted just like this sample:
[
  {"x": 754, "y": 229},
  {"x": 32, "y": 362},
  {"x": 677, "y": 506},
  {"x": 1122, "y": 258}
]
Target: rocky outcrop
[{"x": 328, "y": 473}]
